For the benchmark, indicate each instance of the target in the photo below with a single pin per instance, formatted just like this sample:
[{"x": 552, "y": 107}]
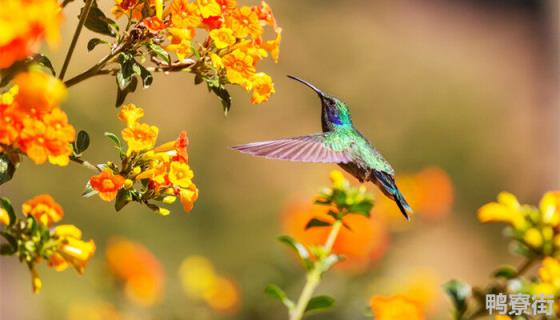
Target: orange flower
[
  {"x": 244, "y": 22},
  {"x": 140, "y": 137},
  {"x": 38, "y": 92},
  {"x": 11, "y": 124},
  {"x": 185, "y": 14},
  {"x": 188, "y": 197},
  {"x": 180, "y": 42},
  {"x": 395, "y": 308},
  {"x": 209, "y": 8},
  {"x": 44, "y": 209},
  {"x": 365, "y": 242},
  {"x": 23, "y": 24},
  {"x": 107, "y": 184},
  {"x": 138, "y": 268},
  {"x": 130, "y": 114},
  {"x": 264, "y": 12},
  {"x": 41, "y": 142},
  {"x": 273, "y": 46},
  {"x": 227, "y": 5}
]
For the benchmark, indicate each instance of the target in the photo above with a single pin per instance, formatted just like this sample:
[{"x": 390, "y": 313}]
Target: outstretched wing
[{"x": 311, "y": 148}]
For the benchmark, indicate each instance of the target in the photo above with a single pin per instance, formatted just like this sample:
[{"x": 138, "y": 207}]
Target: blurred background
[{"x": 460, "y": 96}]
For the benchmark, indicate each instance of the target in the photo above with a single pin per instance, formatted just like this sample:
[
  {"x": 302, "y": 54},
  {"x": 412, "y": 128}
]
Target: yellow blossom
[
  {"x": 395, "y": 308},
  {"x": 188, "y": 197},
  {"x": 72, "y": 250},
  {"x": 507, "y": 209},
  {"x": 263, "y": 88},
  {"x": 222, "y": 37},
  {"x": 216, "y": 61},
  {"x": 180, "y": 42},
  {"x": 130, "y": 114},
  {"x": 180, "y": 174},
  {"x": 550, "y": 208},
  {"x": 239, "y": 68},
  {"x": 337, "y": 179},
  {"x": 533, "y": 237},
  {"x": 550, "y": 272},
  {"x": 184, "y": 14},
  {"x": 209, "y": 8},
  {"x": 140, "y": 137},
  {"x": 244, "y": 22},
  {"x": 4, "y": 217},
  {"x": 273, "y": 46}
]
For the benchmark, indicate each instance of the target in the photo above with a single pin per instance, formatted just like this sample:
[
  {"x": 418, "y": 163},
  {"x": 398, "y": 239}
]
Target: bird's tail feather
[{"x": 387, "y": 184}]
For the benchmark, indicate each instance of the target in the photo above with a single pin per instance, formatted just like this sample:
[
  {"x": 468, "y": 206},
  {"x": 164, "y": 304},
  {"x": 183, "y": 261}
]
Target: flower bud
[
  {"x": 164, "y": 211},
  {"x": 169, "y": 199},
  {"x": 533, "y": 237},
  {"x": 128, "y": 183}
]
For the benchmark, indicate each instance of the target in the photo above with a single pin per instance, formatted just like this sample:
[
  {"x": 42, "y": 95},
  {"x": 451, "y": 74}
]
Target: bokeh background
[{"x": 466, "y": 88}]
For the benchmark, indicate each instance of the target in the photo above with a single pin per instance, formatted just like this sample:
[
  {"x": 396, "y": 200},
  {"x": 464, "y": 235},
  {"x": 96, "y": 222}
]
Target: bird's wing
[{"x": 311, "y": 148}]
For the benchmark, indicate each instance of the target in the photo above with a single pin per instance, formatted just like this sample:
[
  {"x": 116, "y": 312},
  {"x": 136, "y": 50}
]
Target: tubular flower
[
  {"x": 130, "y": 114},
  {"x": 23, "y": 24},
  {"x": 180, "y": 42},
  {"x": 507, "y": 209},
  {"x": 395, "y": 308},
  {"x": 263, "y": 88},
  {"x": 140, "y": 137},
  {"x": 38, "y": 92},
  {"x": 44, "y": 209},
  {"x": 188, "y": 197},
  {"x": 107, "y": 184},
  {"x": 180, "y": 174},
  {"x": 72, "y": 250},
  {"x": 239, "y": 68}
]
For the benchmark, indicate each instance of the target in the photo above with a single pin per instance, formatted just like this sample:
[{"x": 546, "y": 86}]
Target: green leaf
[
  {"x": 96, "y": 21},
  {"x": 42, "y": 60},
  {"x": 123, "y": 198},
  {"x": 223, "y": 95},
  {"x": 7, "y": 168},
  {"x": 458, "y": 292},
  {"x": 126, "y": 72},
  {"x": 7, "y": 249},
  {"x": 89, "y": 191},
  {"x": 277, "y": 293},
  {"x": 506, "y": 272},
  {"x": 7, "y": 205},
  {"x": 317, "y": 223},
  {"x": 94, "y": 42},
  {"x": 82, "y": 142},
  {"x": 299, "y": 248},
  {"x": 319, "y": 303},
  {"x": 146, "y": 75},
  {"x": 123, "y": 93},
  {"x": 114, "y": 139},
  {"x": 364, "y": 208},
  {"x": 158, "y": 51}
]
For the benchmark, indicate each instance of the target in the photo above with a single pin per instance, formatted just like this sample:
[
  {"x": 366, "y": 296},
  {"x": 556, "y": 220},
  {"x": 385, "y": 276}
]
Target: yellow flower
[
  {"x": 244, "y": 22},
  {"x": 550, "y": 208},
  {"x": 550, "y": 272},
  {"x": 337, "y": 179},
  {"x": 395, "y": 308},
  {"x": 38, "y": 92},
  {"x": 507, "y": 209},
  {"x": 180, "y": 174},
  {"x": 180, "y": 42},
  {"x": 533, "y": 237},
  {"x": 72, "y": 250},
  {"x": 184, "y": 14},
  {"x": 140, "y": 137},
  {"x": 130, "y": 114},
  {"x": 209, "y": 8},
  {"x": 239, "y": 68},
  {"x": 216, "y": 61},
  {"x": 263, "y": 88},
  {"x": 222, "y": 37},
  {"x": 4, "y": 217}
]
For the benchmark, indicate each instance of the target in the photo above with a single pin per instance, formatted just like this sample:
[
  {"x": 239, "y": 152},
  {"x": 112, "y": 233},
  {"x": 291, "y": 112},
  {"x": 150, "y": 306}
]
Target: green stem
[
  {"x": 314, "y": 276},
  {"x": 81, "y": 22}
]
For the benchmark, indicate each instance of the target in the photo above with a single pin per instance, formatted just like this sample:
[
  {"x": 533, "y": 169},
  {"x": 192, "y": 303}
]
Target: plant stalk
[
  {"x": 314, "y": 276},
  {"x": 81, "y": 22}
]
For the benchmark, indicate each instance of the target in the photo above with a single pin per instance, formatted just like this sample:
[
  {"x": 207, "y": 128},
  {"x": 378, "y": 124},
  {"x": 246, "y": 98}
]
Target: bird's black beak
[{"x": 319, "y": 92}]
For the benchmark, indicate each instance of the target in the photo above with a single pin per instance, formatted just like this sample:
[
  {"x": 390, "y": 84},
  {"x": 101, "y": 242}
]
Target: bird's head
[{"x": 336, "y": 111}]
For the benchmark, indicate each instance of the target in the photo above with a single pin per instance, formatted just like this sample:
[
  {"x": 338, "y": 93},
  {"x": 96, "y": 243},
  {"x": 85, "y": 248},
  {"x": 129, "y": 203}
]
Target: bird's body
[{"x": 341, "y": 143}]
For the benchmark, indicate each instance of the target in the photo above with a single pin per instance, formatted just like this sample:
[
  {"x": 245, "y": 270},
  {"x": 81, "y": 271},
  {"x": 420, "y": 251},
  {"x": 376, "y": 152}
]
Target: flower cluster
[
  {"x": 147, "y": 173},
  {"x": 138, "y": 269},
  {"x": 25, "y": 23},
  {"x": 233, "y": 47},
  {"x": 32, "y": 122},
  {"x": 201, "y": 282},
  {"x": 34, "y": 238},
  {"x": 535, "y": 232}
]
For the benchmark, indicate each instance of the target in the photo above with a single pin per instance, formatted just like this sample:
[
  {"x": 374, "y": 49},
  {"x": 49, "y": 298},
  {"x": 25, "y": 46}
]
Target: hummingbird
[{"x": 340, "y": 143}]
